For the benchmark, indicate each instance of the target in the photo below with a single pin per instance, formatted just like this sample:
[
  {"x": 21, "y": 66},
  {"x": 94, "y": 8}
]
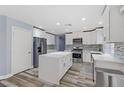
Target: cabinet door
[
  {"x": 86, "y": 38},
  {"x": 106, "y": 30},
  {"x": 86, "y": 56},
  {"x": 116, "y": 22},
  {"x": 89, "y": 38},
  {"x": 100, "y": 37},
  {"x": 93, "y": 37},
  {"x": 113, "y": 24},
  {"x": 69, "y": 38},
  {"x": 39, "y": 33}
]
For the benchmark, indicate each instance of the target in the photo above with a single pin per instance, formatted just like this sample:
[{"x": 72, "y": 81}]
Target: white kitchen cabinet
[
  {"x": 89, "y": 37},
  {"x": 53, "y": 66},
  {"x": 86, "y": 56},
  {"x": 84, "y": 36},
  {"x": 116, "y": 25},
  {"x": 39, "y": 33},
  {"x": 106, "y": 30},
  {"x": 113, "y": 21},
  {"x": 99, "y": 37},
  {"x": 95, "y": 37},
  {"x": 69, "y": 38}
]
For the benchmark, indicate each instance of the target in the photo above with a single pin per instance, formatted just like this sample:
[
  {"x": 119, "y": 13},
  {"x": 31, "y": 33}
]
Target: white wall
[
  {"x": 3, "y": 46},
  {"x": 6, "y": 25},
  {"x": 50, "y": 38}
]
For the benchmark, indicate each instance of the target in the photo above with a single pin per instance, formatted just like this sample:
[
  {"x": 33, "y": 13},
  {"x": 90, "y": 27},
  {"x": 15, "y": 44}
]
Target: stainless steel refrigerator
[{"x": 39, "y": 48}]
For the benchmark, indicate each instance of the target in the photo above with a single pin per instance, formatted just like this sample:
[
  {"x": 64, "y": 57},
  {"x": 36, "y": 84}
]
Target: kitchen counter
[
  {"x": 106, "y": 58},
  {"x": 106, "y": 61},
  {"x": 57, "y": 54},
  {"x": 96, "y": 52}
]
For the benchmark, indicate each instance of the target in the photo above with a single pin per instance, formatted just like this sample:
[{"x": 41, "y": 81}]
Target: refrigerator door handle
[{"x": 29, "y": 52}]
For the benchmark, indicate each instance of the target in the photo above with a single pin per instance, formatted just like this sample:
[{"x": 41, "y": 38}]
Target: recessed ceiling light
[
  {"x": 68, "y": 24},
  {"x": 57, "y": 23},
  {"x": 83, "y": 19},
  {"x": 100, "y": 22},
  {"x": 84, "y": 28},
  {"x": 67, "y": 29}
]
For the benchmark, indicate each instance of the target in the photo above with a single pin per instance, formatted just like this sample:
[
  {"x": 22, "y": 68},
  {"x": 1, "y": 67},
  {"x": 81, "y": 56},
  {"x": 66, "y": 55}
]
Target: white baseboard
[
  {"x": 5, "y": 76},
  {"x": 9, "y": 75}
]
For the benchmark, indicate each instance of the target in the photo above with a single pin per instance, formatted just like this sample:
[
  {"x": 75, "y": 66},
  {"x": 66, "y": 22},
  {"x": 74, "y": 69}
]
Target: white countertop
[
  {"x": 106, "y": 58},
  {"x": 56, "y": 54},
  {"x": 96, "y": 52}
]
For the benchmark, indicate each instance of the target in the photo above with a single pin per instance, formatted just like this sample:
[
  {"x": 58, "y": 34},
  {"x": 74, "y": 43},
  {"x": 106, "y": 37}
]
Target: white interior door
[{"x": 21, "y": 50}]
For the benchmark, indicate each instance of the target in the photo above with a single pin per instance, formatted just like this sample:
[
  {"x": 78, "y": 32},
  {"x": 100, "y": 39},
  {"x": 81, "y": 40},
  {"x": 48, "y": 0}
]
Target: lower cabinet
[{"x": 86, "y": 56}]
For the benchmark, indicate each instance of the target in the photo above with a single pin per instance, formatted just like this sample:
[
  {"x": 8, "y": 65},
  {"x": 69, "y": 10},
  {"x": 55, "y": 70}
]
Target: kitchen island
[
  {"x": 109, "y": 62},
  {"x": 108, "y": 70},
  {"x": 53, "y": 66}
]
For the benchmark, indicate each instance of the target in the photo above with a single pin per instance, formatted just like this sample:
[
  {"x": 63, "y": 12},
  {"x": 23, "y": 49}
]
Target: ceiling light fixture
[
  {"x": 83, "y": 19},
  {"x": 67, "y": 29},
  {"x": 57, "y": 23},
  {"x": 100, "y": 23},
  {"x": 84, "y": 28}
]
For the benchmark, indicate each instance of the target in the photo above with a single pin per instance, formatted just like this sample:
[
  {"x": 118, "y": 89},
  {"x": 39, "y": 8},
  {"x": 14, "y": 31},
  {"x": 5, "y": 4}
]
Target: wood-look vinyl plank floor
[
  {"x": 2, "y": 85},
  {"x": 37, "y": 83},
  {"x": 29, "y": 78}
]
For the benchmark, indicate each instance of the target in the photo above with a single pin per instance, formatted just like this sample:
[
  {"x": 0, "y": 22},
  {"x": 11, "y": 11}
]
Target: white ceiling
[{"x": 46, "y": 16}]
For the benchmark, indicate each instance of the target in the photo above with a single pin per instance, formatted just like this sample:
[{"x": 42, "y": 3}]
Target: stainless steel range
[{"x": 77, "y": 52}]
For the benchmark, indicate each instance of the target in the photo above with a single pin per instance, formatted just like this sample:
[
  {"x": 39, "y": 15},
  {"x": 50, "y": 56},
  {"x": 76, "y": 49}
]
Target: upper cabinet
[
  {"x": 106, "y": 20},
  {"x": 68, "y": 39},
  {"x": 95, "y": 37},
  {"x": 116, "y": 25},
  {"x": 42, "y": 34},
  {"x": 39, "y": 33},
  {"x": 113, "y": 24}
]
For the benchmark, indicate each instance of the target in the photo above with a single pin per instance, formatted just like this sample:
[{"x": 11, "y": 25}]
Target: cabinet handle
[
  {"x": 104, "y": 38},
  {"x": 64, "y": 64},
  {"x": 70, "y": 59}
]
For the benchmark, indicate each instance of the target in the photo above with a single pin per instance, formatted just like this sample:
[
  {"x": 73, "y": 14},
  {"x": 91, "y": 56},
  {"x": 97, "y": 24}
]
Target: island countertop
[
  {"x": 56, "y": 54},
  {"x": 107, "y": 61},
  {"x": 106, "y": 58}
]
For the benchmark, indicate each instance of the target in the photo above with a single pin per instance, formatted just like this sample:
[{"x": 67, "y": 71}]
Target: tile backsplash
[
  {"x": 115, "y": 49},
  {"x": 93, "y": 47},
  {"x": 88, "y": 47},
  {"x": 50, "y": 47}
]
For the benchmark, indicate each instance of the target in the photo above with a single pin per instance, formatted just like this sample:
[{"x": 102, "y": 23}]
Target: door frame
[{"x": 17, "y": 27}]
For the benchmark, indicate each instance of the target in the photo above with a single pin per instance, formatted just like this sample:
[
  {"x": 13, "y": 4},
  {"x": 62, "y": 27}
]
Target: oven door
[{"x": 76, "y": 55}]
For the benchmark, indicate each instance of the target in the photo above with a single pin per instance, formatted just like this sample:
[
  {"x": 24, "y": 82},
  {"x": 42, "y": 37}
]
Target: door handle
[
  {"x": 64, "y": 64},
  {"x": 29, "y": 52}
]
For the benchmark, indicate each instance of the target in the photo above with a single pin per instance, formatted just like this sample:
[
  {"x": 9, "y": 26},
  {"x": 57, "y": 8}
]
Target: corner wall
[
  {"x": 3, "y": 46},
  {"x": 6, "y": 25}
]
